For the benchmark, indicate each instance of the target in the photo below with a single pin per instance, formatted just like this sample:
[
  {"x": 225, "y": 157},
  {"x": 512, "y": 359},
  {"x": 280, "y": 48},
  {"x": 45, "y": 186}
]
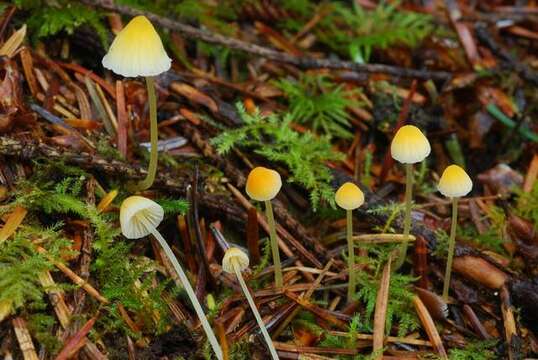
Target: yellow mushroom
[
  {"x": 408, "y": 146},
  {"x": 349, "y": 197},
  {"x": 140, "y": 217},
  {"x": 137, "y": 50},
  {"x": 235, "y": 261},
  {"x": 263, "y": 185},
  {"x": 454, "y": 183}
]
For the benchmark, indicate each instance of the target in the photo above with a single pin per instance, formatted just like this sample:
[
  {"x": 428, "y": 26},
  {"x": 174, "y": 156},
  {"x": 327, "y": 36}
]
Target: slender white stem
[
  {"x": 190, "y": 292},
  {"x": 257, "y": 315}
]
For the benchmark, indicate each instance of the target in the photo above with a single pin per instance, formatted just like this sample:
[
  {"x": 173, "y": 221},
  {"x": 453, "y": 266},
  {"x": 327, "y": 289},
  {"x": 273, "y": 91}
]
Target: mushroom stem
[
  {"x": 451, "y": 245},
  {"x": 254, "y": 309},
  {"x": 190, "y": 293},
  {"x": 407, "y": 217},
  {"x": 274, "y": 244},
  {"x": 350, "y": 255},
  {"x": 152, "y": 167}
]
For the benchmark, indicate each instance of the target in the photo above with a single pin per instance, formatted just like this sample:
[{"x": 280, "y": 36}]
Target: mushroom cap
[
  {"x": 349, "y": 196},
  {"x": 137, "y": 50},
  {"x": 237, "y": 255},
  {"x": 263, "y": 184},
  {"x": 409, "y": 145},
  {"x": 454, "y": 182},
  {"x": 138, "y": 215}
]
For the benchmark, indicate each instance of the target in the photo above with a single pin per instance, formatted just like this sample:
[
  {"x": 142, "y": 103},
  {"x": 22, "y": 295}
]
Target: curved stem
[
  {"x": 274, "y": 244},
  {"x": 350, "y": 255},
  {"x": 190, "y": 292},
  {"x": 407, "y": 218},
  {"x": 254, "y": 309},
  {"x": 152, "y": 167},
  {"x": 451, "y": 245}
]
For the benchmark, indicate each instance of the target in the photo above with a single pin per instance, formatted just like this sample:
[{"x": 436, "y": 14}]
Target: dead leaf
[
  {"x": 488, "y": 94},
  {"x": 429, "y": 327},
  {"x": 380, "y": 314},
  {"x": 480, "y": 270},
  {"x": 10, "y": 96},
  {"x": 12, "y": 223},
  {"x": 195, "y": 95},
  {"x": 502, "y": 179},
  {"x": 12, "y": 44}
]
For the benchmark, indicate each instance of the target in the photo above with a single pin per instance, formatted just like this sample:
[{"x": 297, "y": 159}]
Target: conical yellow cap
[
  {"x": 409, "y": 145},
  {"x": 137, "y": 51},
  {"x": 349, "y": 196},
  {"x": 263, "y": 184},
  {"x": 455, "y": 182}
]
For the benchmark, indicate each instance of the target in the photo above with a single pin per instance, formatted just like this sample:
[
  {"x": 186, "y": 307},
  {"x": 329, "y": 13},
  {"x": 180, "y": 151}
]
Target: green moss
[
  {"x": 527, "y": 204},
  {"x": 173, "y": 206},
  {"x": 479, "y": 350},
  {"x": 21, "y": 264},
  {"x": 120, "y": 276},
  {"x": 400, "y": 311},
  {"x": 354, "y": 31},
  {"x": 241, "y": 350},
  {"x": 48, "y": 18},
  {"x": 41, "y": 326},
  {"x": 303, "y": 154},
  {"x": 319, "y": 103}
]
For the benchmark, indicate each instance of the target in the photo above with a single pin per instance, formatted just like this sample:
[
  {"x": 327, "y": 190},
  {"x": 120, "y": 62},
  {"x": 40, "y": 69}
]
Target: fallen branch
[
  {"x": 302, "y": 62},
  {"x": 176, "y": 184}
]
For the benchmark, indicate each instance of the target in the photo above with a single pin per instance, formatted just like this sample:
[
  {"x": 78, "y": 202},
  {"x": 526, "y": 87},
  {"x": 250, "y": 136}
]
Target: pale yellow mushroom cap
[
  {"x": 138, "y": 216},
  {"x": 137, "y": 51},
  {"x": 409, "y": 145},
  {"x": 349, "y": 196},
  {"x": 455, "y": 182},
  {"x": 234, "y": 255},
  {"x": 263, "y": 184}
]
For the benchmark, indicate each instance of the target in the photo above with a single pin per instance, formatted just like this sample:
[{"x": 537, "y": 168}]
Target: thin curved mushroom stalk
[
  {"x": 190, "y": 292},
  {"x": 140, "y": 217},
  {"x": 235, "y": 261}
]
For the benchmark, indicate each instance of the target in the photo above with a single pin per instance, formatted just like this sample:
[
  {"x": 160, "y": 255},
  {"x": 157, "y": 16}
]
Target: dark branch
[
  {"x": 174, "y": 184},
  {"x": 302, "y": 62}
]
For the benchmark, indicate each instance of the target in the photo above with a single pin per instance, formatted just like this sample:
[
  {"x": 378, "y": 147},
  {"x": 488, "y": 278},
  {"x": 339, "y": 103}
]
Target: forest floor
[{"x": 314, "y": 90}]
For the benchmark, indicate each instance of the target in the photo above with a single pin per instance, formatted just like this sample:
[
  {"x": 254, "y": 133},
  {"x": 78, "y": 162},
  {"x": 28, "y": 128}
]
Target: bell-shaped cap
[
  {"x": 237, "y": 256},
  {"x": 409, "y": 145},
  {"x": 263, "y": 184},
  {"x": 138, "y": 216},
  {"x": 137, "y": 51},
  {"x": 454, "y": 182},
  {"x": 349, "y": 196}
]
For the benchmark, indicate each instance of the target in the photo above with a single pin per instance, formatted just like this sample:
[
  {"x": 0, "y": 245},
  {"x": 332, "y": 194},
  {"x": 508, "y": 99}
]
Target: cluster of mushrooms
[{"x": 138, "y": 51}]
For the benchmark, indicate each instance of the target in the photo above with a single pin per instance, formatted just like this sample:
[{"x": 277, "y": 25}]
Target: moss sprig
[{"x": 272, "y": 137}]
